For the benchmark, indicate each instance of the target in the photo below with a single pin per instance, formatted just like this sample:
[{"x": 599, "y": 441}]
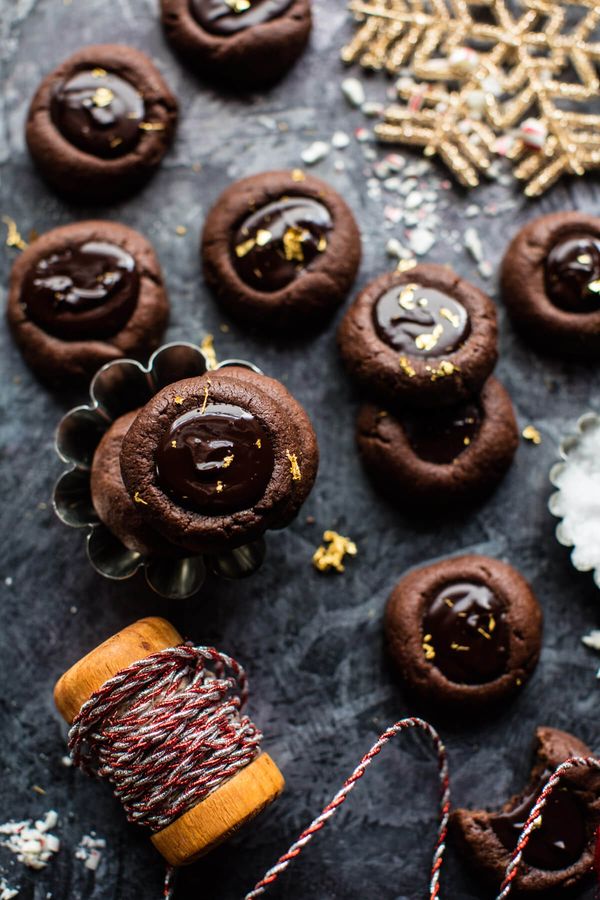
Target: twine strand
[{"x": 167, "y": 731}]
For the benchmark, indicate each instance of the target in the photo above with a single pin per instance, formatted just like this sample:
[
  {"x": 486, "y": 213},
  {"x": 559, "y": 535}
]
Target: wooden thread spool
[{"x": 236, "y": 802}]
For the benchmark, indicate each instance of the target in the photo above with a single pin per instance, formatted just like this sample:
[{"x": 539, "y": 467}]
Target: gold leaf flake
[
  {"x": 102, "y": 97},
  {"x": 429, "y": 339},
  {"x": 294, "y": 467},
  {"x": 181, "y": 230},
  {"x": 139, "y": 499},
  {"x": 298, "y": 175},
  {"x": 258, "y": 443},
  {"x": 174, "y": 445},
  {"x": 444, "y": 369},
  {"x": 208, "y": 348},
  {"x": 331, "y": 557},
  {"x": 530, "y": 433},
  {"x": 452, "y": 317},
  {"x": 244, "y": 248},
  {"x": 99, "y": 72},
  {"x": 322, "y": 245},
  {"x": 428, "y": 648},
  {"x": 228, "y": 460},
  {"x": 13, "y": 235},
  {"x": 219, "y": 487},
  {"x": 594, "y": 286},
  {"x": 207, "y": 387},
  {"x": 151, "y": 126},
  {"x": 116, "y": 142},
  {"x": 406, "y": 367},
  {"x": 406, "y": 298},
  {"x": 238, "y": 6},
  {"x": 584, "y": 259},
  {"x": 292, "y": 243},
  {"x": 405, "y": 265},
  {"x": 178, "y": 401}
]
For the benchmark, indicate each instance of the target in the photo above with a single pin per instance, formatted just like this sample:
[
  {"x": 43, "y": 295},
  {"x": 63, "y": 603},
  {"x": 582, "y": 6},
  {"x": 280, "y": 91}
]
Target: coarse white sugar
[
  {"x": 6, "y": 891},
  {"x": 31, "y": 842},
  {"x": 578, "y": 498},
  {"x": 315, "y": 152}
]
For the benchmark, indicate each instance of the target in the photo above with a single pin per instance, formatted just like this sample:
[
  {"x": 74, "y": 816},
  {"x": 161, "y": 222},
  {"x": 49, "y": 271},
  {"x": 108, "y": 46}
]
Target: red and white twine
[
  {"x": 166, "y": 731},
  {"x": 169, "y": 729}
]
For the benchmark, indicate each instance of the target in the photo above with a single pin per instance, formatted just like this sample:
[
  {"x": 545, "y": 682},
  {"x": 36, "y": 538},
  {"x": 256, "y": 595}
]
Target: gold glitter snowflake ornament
[{"x": 489, "y": 77}]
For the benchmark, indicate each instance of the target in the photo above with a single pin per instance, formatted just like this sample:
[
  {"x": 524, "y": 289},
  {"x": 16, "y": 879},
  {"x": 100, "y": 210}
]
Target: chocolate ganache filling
[
  {"x": 225, "y": 17},
  {"x": 560, "y": 838},
  {"x": 99, "y": 112},
  {"x": 86, "y": 291},
  {"x": 572, "y": 274},
  {"x": 440, "y": 436},
  {"x": 420, "y": 321},
  {"x": 217, "y": 459},
  {"x": 465, "y": 633},
  {"x": 279, "y": 241}
]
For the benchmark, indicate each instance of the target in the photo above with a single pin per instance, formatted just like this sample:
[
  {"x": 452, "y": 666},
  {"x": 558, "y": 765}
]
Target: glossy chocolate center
[
  {"x": 573, "y": 274},
  {"x": 465, "y": 633},
  {"x": 217, "y": 459},
  {"x": 228, "y": 16},
  {"x": 87, "y": 290},
  {"x": 560, "y": 839},
  {"x": 420, "y": 321},
  {"x": 440, "y": 436},
  {"x": 98, "y": 112},
  {"x": 279, "y": 241}
]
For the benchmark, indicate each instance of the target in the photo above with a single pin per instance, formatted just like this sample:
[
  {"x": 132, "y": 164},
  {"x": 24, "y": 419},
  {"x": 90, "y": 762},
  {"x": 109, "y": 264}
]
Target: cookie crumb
[{"x": 327, "y": 558}]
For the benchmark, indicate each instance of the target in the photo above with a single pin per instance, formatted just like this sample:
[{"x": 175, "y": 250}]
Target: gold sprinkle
[
  {"x": 244, "y": 248},
  {"x": 448, "y": 602},
  {"x": 406, "y": 367},
  {"x": 405, "y": 265},
  {"x": 13, "y": 235},
  {"x": 294, "y": 467},
  {"x": 594, "y": 286},
  {"x": 116, "y": 141},
  {"x": 298, "y": 175},
  {"x": 98, "y": 72},
  {"x": 331, "y": 557},
  {"x": 219, "y": 487},
  {"x": 466, "y": 441},
  {"x": 382, "y": 414},
  {"x": 484, "y": 634},
  {"x": 174, "y": 445},
  {"x": 151, "y": 126},
  {"x": 530, "y": 433},
  {"x": 292, "y": 243},
  {"x": 518, "y": 682},
  {"x": 258, "y": 443},
  {"x": 452, "y": 317},
  {"x": 263, "y": 237},
  {"x": 228, "y": 460},
  {"x": 428, "y": 648},
  {"x": 205, "y": 401},
  {"x": 138, "y": 499},
  {"x": 491, "y": 623},
  {"x": 208, "y": 348},
  {"x": 102, "y": 97},
  {"x": 322, "y": 245},
  {"x": 455, "y": 646},
  {"x": 181, "y": 230},
  {"x": 428, "y": 340},
  {"x": 238, "y": 6},
  {"x": 178, "y": 401},
  {"x": 406, "y": 298},
  {"x": 38, "y": 789}
]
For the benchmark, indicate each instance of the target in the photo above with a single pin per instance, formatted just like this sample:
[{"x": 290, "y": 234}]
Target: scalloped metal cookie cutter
[
  {"x": 585, "y": 423},
  {"x": 118, "y": 388}
]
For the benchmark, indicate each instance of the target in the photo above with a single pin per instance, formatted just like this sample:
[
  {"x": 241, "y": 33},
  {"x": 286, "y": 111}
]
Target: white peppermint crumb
[
  {"x": 353, "y": 91},
  {"x": 67, "y": 762},
  {"x": 397, "y": 250},
  {"x": 340, "y": 140},
  {"x": 395, "y": 162},
  {"x": 339, "y": 165},
  {"x": 472, "y": 210},
  {"x": 408, "y": 186},
  {"x": 592, "y": 639},
  {"x": 73, "y": 610},
  {"x": 486, "y": 269},
  {"x": 381, "y": 169},
  {"x": 372, "y": 109},
  {"x": 88, "y": 850},
  {"x": 421, "y": 240},
  {"x": 8, "y": 581},
  {"x": 6, "y": 891},
  {"x": 413, "y": 200},
  {"x": 316, "y": 152},
  {"x": 472, "y": 243},
  {"x": 362, "y": 135},
  {"x": 32, "y": 843},
  {"x": 267, "y": 122},
  {"x": 392, "y": 184},
  {"x": 393, "y": 214},
  {"x": 369, "y": 153},
  {"x": 578, "y": 499}
]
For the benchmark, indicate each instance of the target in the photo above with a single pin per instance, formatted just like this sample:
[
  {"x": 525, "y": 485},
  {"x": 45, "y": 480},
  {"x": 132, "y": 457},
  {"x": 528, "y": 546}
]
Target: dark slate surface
[{"x": 321, "y": 686}]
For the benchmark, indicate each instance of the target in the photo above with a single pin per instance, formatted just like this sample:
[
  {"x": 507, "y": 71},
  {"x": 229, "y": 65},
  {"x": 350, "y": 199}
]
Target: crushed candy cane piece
[
  {"x": 353, "y": 91},
  {"x": 315, "y": 153},
  {"x": 31, "y": 842}
]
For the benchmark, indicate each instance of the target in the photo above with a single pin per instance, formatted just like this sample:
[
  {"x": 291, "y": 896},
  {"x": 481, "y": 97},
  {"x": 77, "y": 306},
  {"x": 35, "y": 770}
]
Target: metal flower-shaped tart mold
[
  {"x": 577, "y": 501},
  {"x": 117, "y": 388}
]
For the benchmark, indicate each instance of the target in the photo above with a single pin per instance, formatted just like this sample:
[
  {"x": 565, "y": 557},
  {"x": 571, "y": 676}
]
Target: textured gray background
[{"x": 321, "y": 685}]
